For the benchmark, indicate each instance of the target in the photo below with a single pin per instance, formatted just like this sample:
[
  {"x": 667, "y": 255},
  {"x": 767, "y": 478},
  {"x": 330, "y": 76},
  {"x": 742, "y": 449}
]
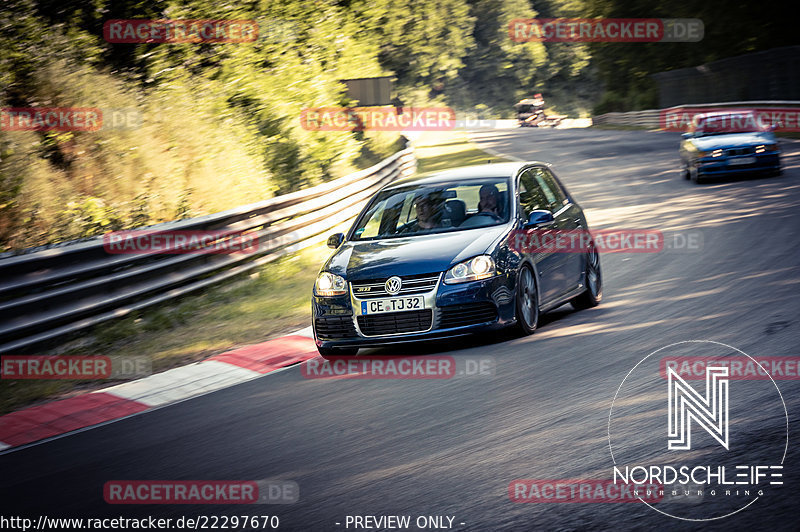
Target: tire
[
  {"x": 336, "y": 352},
  {"x": 527, "y": 305},
  {"x": 685, "y": 172},
  {"x": 593, "y": 279},
  {"x": 694, "y": 176}
]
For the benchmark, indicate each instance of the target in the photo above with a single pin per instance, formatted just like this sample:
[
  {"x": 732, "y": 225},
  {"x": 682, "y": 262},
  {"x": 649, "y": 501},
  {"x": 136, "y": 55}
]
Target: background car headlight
[
  {"x": 330, "y": 284},
  {"x": 710, "y": 153},
  {"x": 766, "y": 147},
  {"x": 480, "y": 267}
]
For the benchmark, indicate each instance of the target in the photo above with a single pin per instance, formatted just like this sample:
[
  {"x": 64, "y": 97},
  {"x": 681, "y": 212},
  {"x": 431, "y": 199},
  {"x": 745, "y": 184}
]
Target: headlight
[
  {"x": 766, "y": 147},
  {"x": 330, "y": 284},
  {"x": 713, "y": 153},
  {"x": 480, "y": 267}
]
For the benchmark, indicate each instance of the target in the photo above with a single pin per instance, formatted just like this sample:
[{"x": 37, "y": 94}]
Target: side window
[
  {"x": 531, "y": 195},
  {"x": 555, "y": 197},
  {"x": 561, "y": 196}
]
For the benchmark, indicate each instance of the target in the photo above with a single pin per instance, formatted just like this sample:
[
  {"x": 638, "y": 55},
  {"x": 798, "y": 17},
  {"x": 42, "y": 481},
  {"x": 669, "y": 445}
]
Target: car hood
[
  {"x": 731, "y": 140},
  {"x": 378, "y": 259}
]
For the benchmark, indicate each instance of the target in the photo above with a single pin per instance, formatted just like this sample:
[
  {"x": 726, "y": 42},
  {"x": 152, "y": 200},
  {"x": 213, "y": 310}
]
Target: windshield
[
  {"x": 730, "y": 123},
  {"x": 438, "y": 208}
]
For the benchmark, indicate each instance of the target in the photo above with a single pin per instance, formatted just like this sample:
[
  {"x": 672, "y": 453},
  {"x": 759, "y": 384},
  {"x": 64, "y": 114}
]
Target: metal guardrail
[
  {"x": 648, "y": 118},
  {"x": 54, "y": 292},
  {"x": 651, "y": 118}
]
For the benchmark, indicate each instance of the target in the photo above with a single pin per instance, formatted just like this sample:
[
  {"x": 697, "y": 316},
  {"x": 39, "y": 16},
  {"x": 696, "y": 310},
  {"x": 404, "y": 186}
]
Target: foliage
[
  {"x": 730, "y": 29},
  {"x": 220, "y": 122}
]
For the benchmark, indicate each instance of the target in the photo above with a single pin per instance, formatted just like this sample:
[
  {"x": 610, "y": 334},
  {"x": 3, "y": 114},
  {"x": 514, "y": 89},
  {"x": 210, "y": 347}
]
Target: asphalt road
[{"x": 450, "y": 447}]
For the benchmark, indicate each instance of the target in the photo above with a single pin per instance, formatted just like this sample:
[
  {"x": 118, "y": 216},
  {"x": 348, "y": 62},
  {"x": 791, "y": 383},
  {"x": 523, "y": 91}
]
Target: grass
[
  {"x": 439, "y": 150},
  {"x": 274, "y": 301}
]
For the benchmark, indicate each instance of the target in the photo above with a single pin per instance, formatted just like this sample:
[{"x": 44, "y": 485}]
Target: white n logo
[{"x": 685, "y": 404}]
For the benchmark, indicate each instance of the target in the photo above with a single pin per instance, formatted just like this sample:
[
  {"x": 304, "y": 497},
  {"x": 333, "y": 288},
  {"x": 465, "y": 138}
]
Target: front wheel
[
  {"x": 336, "y": 352},
  {"x": 593, "y": 280},
  {"x": 694, "y": 175},
  {"x": 527, "y": 301}
]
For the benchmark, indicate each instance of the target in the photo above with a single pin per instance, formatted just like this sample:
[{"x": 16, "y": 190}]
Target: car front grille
[
  {"x": 333, "y": 327},
  {"x": 395, "y": 322},
  {"x": 740, "y": 151},
  {"x": 412, "y": 284},
  {"x": 469, "y": 314}
]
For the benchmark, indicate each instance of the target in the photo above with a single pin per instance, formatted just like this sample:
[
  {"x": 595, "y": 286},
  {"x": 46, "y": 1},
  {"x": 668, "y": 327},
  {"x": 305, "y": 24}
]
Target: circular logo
[
  {"x": 393, "y": 285},
  {"x": 700, "y": 429}
]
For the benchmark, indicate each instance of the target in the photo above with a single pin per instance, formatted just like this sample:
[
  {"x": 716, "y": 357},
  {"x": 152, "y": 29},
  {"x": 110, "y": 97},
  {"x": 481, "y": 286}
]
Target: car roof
[{"x": 467, "y": 173}]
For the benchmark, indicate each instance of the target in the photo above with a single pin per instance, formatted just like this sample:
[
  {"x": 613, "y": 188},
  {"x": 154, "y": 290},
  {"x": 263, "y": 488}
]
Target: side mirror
[
  {"x": 686, "y": 135},
  {"x": 335, "y": 240},
  {"x": 539, "y": 218}
]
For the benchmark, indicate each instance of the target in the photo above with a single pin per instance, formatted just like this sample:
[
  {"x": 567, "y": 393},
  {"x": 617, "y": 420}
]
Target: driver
[
  {"x": 427, "y": 211},
  {"x": 490, "y": 200}
]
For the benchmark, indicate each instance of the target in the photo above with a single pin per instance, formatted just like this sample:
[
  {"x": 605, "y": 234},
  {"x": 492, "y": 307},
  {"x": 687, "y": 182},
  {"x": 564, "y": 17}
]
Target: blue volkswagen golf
[{"x": 435, "y": 257}]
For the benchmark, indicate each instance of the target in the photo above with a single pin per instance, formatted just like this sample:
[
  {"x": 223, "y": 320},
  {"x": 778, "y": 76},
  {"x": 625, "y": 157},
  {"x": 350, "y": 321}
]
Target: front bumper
[
  {"x": 708, "y": 166},
  {"x": 455, "y": 310}
]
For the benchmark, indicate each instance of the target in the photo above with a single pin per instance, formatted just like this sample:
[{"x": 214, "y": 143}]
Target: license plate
[
  {"x": 742, "y": 160},
  {"x": 395, "y": 304}
]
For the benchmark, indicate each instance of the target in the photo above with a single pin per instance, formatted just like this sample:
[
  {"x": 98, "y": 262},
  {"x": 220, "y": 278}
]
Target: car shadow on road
[{"x": 739, "y": 178}]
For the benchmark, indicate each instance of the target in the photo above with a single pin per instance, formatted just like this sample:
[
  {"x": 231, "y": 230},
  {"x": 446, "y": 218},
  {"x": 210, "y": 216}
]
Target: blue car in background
[
  {"x": 433, "y": 257},
  {"x": 727, "y": 142}
]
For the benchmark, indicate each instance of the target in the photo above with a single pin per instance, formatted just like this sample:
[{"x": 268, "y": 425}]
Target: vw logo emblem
[{"x": 393, "y": 285}]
